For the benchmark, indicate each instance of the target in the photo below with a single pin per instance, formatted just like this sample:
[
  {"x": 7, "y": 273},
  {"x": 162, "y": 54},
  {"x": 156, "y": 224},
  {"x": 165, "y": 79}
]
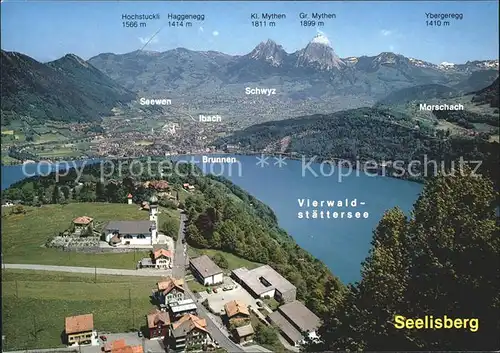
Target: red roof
[{"x": 129, "y": 196}]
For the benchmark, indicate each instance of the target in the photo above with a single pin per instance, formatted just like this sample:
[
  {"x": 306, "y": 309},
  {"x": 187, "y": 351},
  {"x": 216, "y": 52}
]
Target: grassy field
[
  {"x": 232, "y": 260},
  {"x": 23, "y": 235},
  {"x": 35, "y": 304}
]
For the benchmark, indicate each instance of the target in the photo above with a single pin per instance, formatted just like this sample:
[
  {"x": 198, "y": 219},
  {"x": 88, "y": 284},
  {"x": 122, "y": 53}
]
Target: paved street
[
  {"x": 92, "y": 270},
  {"x": 180, "y": 258},
  {"x": 217, "y": 331}
]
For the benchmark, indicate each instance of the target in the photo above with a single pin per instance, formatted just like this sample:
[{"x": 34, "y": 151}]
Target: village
[{"x": 196, "y": 305}]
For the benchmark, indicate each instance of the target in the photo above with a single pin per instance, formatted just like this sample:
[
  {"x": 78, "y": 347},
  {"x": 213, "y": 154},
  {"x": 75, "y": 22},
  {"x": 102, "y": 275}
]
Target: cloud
[
  {"x": 149, "y": 40},
  {"x": 391, "y": 47},
  {"x": 215, "y": 33},
  {"x": 386, "y": 32}
]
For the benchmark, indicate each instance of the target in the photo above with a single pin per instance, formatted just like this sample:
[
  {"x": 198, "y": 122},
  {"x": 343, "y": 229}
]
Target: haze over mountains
[
  {"x": 311, "y": 80},
  {"x": 312, "y": 72}
]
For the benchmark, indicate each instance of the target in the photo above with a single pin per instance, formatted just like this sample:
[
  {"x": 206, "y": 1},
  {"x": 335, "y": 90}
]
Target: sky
[{"x": 47, "y": 30}]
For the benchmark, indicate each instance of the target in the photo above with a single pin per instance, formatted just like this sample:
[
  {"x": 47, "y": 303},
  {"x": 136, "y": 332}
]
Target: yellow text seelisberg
[{"x": 430, "y": 322}]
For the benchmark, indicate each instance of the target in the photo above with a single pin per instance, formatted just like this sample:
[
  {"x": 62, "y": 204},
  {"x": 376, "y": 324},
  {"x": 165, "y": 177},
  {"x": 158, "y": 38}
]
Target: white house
[
  {"x": 162, "y": 258},
  {"x": 128, "y": 232},
  {"x": 135, "y": 232},
  {"x": 206, "y": 271}
]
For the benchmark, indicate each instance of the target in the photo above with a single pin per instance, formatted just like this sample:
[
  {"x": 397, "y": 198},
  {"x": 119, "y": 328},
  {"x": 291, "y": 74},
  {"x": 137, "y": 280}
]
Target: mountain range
[
  {"x": 311, "y": 80},
  {"x": 312, "y": 72},
  {"x": 67, "y": 89}
]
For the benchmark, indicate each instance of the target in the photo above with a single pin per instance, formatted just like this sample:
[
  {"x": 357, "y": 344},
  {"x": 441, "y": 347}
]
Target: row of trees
[{"x": 444, "y": 260}]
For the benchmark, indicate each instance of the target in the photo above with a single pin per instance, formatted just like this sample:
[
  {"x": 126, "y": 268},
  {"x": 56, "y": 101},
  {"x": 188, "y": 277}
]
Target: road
[
  {"x": 179, "y": 271},
  {"x": 180, "y": 258},
  {"x": 92, "y": 270}
]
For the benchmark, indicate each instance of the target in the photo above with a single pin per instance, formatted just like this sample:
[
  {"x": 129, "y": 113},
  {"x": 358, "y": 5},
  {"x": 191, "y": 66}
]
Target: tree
[
  {"x": 169, "y": 228},
  {"x": 266, "y": 335},
  {"x": 220, "y": 261},
  {"x": 100, "y": 192},
  {"x": 444, "y": 261},
  {"x": 55, "y": 194},
  {"x": 455, "y": 256}
]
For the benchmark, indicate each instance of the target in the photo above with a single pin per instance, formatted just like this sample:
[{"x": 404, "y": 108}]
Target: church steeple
[{"x": 153, "y": 217}]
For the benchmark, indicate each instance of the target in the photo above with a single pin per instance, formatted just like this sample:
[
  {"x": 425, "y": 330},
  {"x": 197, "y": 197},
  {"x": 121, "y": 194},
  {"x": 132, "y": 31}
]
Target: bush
[{"x": 220, "y": 261}]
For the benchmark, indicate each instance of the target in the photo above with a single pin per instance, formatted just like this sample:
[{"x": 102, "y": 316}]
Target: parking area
[{"x": 217, "y": 300}]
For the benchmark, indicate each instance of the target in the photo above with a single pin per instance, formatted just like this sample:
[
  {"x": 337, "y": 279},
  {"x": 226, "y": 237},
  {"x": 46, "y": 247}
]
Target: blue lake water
[{"x": 341, "y": 243}]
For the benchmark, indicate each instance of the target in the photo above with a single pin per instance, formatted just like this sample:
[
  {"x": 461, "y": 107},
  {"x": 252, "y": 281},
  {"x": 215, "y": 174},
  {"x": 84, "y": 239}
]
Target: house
[
  {"x": 188, "y": 187},
  {"x": 244, "y": 333},
  {"x": 182, "y": 307},
  {"x": 264, "y": 282},
  {"x": 170, "y": 291},
  {"x": 162, "y": 258},
  {"x": 128, "y": 232},
  {"x": 236, "y": 311},
  {"x": 158, "y": 185},
  {"x": 206, "y": 271},
  {"x": 145, "y": 262},
  {"x": 158, "y": 323},
  {"x": 119, "y": 346},
  {"x": 294, "y": 319},
  {"x": 83, "y": 225},
  {"x": 188, "y": 332},
  {"x": 79, "y": 329}
]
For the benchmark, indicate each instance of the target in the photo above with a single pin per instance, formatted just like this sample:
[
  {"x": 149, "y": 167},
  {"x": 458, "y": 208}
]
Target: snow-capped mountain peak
[
  {"x": 319, "y": 54},
  {"x": 320, "y": 38}
]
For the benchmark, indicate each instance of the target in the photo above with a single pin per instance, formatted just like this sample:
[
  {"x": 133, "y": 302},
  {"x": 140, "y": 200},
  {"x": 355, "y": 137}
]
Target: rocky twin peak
[
  {"x": 319, "y": 54},
  {"x": 270, "y": 52}
]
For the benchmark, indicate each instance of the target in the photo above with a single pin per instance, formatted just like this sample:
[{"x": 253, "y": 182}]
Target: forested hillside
[
  {"x": 379, "y": 134},
  {"x": 68, "y": 89},
  {"x": 489, "y": 95},
  {"x": 442, "y": 261}
]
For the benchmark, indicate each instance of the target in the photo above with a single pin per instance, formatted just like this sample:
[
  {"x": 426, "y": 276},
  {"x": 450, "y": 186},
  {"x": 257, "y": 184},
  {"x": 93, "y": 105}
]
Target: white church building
[{"x": 130, "y": 233}]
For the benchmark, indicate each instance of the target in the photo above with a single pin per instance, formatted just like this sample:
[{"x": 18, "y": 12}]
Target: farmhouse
[
  {"x": 83, "y": 225},
  {"x": 162, "y": 258},
  {"x": 158, "y": 323},
  {"x": 206, "y": 271},
  {"x": 293, "y": 319},
  {"x": 188, "y": 187},
  {"x": 170, "y": 291},
  {"x": 264, "y": 281},
  {"x": 244, "y": 334},
  {"x": 79, "y": 329},
  {"x": 236, "y": 310},
  {"x": 189, "y": 331}
]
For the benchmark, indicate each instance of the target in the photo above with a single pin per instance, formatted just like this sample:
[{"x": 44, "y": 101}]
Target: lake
[{"x": 342, "y": 243}]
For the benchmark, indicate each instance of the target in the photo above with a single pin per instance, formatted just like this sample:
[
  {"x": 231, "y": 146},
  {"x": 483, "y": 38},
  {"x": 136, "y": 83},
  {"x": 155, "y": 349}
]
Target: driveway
[{"x": 92, "y": 270}]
